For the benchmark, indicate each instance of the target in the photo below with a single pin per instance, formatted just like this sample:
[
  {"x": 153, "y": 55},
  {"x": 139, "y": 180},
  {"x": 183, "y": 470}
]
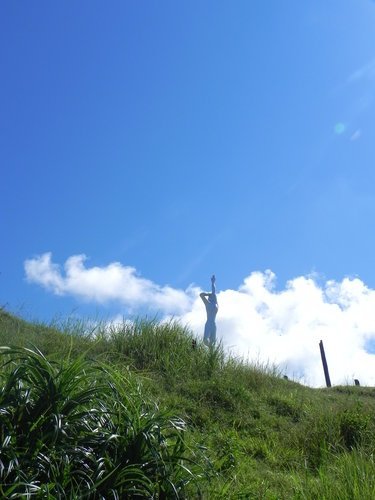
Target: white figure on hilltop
[{"x": 210, "y": 301}]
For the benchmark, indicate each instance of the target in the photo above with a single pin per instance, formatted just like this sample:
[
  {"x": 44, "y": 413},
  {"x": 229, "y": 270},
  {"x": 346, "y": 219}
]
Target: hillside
[{"x": 248, "y": 433}]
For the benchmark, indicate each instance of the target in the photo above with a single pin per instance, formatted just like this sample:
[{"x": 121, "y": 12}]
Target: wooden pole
[{"x": 325, "y": 366}]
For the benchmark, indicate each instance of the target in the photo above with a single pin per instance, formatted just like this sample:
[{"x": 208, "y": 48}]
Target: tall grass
[
  {"x": 166, "y": 348},
  {"x": 265, "y": 437},
  {"x": 349, "y": 476},
  {"x": 78, "y": 429}
]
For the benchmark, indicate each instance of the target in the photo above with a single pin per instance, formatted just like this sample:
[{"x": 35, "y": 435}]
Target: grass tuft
[
  {"x": 139, "y": 410},
  {"x": 71, "y": 428}
]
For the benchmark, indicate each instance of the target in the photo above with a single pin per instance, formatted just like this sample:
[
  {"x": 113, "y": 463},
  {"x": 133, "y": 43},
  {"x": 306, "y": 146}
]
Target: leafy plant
[{"x": 82, "y": 429}]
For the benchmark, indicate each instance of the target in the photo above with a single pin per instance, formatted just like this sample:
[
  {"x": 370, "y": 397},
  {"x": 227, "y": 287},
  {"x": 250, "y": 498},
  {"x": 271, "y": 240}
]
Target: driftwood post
[{"x": 325, "y": 366}]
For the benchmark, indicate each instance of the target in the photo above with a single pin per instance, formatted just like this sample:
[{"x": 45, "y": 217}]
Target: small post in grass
[{"x": 325, "y": 366}]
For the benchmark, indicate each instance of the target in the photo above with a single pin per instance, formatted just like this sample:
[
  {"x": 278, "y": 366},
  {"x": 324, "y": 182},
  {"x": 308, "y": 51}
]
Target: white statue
[{"x": 210, "y": 301}]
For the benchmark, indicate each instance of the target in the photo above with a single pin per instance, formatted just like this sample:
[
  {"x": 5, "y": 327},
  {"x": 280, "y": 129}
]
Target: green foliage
[
  {"x": 348, "y": 476},
  {"x": 285, "y": 408},
  {"x": 354, "y": 424},
  {"x": 71, "y": 428},
  {"x": 87, "y": 423},
  {"x": 319, "y": 437},
  {"x": 165, "y": 348}
]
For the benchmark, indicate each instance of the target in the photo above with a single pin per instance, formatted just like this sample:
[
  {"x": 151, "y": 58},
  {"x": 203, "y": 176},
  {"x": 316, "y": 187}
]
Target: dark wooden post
[{"x": 325, "y": 366}]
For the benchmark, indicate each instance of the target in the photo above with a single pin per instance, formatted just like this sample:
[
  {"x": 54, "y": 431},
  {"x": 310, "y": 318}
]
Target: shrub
[{"x": 77, "y": 429}]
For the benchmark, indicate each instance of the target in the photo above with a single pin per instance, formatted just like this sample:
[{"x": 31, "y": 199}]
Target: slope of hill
[{"x": 248, "y": 433}]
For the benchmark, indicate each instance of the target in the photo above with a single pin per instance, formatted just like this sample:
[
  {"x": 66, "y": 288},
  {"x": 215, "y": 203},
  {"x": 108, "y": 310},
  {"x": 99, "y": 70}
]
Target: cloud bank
[
  {"x": 255, "y": 321},
  {"x": 114, "y": 282}
]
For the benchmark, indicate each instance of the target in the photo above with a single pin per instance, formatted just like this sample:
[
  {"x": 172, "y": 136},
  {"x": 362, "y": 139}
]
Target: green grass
[{"x": 137, "y": 410}]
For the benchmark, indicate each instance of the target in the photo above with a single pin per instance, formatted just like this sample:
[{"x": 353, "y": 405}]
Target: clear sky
[{"x": 169, "y": 140}]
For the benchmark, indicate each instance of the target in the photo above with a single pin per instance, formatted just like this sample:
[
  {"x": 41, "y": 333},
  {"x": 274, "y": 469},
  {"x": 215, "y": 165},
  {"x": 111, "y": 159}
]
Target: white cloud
[
  {"x": 285, "y": 327},
  {"x": 114, "y": 282},
  {"x": 255, "y": 321}
]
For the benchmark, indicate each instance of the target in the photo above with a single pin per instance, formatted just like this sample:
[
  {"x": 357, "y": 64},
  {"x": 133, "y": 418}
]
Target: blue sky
[{"x": 182, "y": 139}]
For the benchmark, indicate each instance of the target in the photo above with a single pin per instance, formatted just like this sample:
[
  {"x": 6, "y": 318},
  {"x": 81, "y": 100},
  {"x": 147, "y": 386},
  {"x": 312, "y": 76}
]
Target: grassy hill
[{"x": 138, "y": 411}]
